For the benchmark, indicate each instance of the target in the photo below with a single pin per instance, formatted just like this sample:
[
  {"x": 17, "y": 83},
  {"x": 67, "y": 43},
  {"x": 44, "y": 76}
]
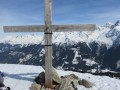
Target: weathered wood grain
[
  {"x": 54, "y": 28},
  {"x": 68, "y": 28},
  {"x": 29, "y": 28},
  {"x": 48, "y": 41}
]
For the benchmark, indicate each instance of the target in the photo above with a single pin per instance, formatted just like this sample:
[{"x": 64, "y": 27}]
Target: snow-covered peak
[
  {"x": 70, "y": 37},
  {"x": 107, "y": 34},
  {"x": 28, "y": 39},
  {"x": 109, "y": 24},
  {"x": 117, "y": 24}
]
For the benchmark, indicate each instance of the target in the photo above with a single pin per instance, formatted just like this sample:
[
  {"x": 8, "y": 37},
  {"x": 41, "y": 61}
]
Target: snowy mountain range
[
  {"x": 87, "y": 51},
  {"x": 107, "y": 34}
]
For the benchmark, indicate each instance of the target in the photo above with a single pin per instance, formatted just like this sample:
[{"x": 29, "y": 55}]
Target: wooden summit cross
[{"x": 48, "y": 28}]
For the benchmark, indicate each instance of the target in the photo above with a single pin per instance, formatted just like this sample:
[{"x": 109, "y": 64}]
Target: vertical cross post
[
  {"x": 48, "y": 43},
  {"x": 48, "y": 28}
]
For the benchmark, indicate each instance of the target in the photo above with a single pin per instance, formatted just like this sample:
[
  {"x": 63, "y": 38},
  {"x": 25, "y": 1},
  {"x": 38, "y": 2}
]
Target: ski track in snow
[{"x": 20, "y": 77}]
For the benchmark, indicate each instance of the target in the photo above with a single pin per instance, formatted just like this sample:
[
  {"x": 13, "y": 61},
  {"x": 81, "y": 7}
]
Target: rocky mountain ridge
[{"x": 82, "y": 51}]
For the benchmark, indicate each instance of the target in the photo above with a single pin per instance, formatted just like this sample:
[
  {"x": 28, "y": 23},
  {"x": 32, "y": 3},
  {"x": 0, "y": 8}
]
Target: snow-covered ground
[{"x": 20, "y": 77}]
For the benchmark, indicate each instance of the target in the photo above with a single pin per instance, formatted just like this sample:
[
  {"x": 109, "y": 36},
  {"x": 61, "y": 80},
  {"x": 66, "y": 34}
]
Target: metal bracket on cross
[{"x": 48, "y": 36}]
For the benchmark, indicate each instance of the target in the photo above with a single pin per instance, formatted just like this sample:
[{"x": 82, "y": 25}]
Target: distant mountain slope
[
  {"x": 86, "y": 51},
  {"x": 107, "y": 34}
]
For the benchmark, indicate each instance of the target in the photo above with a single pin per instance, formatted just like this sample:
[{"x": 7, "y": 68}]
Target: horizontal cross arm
[
  {"x": 29, "y": 28},
  {"x": 79, "y": 27},
  {"x": 55, "y": 28}
]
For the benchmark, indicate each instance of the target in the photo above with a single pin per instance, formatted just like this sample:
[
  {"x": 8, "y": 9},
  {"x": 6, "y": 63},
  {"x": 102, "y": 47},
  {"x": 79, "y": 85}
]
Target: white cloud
[
  {"x": 111, "y": 14},
  {"x": 12, "y": 18},
  {"x": 1, "y": 28},
  {"x": 61, "y": 10},
  {"x": 6, "y": 17}
]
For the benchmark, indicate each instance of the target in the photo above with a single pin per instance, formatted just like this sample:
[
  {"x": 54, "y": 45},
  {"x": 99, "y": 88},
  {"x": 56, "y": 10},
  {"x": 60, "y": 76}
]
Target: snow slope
[{"x": 20, "y": 77}]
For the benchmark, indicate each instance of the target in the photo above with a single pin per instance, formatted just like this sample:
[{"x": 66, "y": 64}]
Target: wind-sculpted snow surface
[{"x": 20, "y": 77}]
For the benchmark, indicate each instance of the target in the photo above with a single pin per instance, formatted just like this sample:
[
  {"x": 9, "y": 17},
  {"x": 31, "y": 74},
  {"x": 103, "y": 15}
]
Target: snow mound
[{"x": 20, "y": 77}]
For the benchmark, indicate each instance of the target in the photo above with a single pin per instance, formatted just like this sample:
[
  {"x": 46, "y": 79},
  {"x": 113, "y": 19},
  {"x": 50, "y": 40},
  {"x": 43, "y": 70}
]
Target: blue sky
[{"x": 31, "y": 12}]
